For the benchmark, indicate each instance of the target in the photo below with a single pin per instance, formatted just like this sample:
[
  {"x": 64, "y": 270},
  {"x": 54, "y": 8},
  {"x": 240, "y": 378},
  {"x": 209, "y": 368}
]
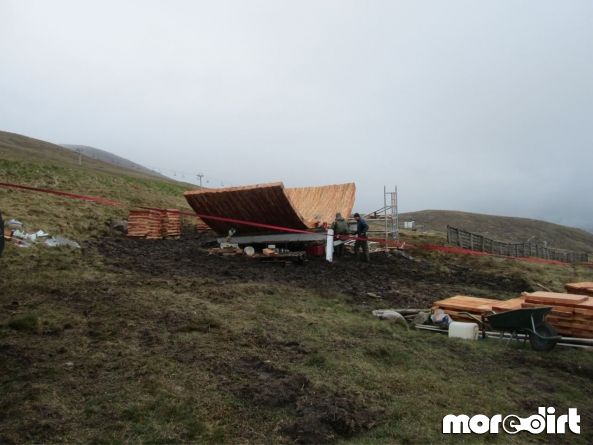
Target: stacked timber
[
  {"x": 138, "y": 223},
  {"x": 145, "y": 224},
  {"x": 585, "y": 288},
  {"x": 158, "y": 224},
  {"x": 155, "y": 224},
  {"x": 172, "y": 223},
  {"x": 571, "y": 315},
  {"x": 459, "y": 306}
]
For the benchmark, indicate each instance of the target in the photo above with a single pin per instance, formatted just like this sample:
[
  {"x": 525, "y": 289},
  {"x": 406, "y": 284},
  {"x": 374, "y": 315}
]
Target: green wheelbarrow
[{"x": 527, "y": 321}]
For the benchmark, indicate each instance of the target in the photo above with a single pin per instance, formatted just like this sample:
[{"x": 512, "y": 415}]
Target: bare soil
[{"x": 393, "y": 279}]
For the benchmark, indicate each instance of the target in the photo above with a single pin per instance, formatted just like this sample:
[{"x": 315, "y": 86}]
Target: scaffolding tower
[{"x": 389, "y": 214}]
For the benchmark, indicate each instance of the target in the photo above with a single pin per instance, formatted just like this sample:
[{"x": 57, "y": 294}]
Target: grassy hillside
[
  {"x": 37, "y": 163},
  {"x": 139, "y": 341},
  {"x": 110, "y": 158},
  {"x": 156, "y": 341},
  {"x": 504, "y": 228}
]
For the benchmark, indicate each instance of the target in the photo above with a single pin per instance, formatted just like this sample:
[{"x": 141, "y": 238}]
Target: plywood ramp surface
[
  {"x": 272, "y": 204},
  {"x": 320, "y": 204}
]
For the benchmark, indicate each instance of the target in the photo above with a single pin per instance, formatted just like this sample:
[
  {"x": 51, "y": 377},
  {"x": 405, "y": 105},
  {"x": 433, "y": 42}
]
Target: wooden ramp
[{"x": 273, "y": 204}]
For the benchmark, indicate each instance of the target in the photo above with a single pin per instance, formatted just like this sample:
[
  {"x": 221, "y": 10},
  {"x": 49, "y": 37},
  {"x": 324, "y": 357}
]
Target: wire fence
[{"x": 480, "y": 243}]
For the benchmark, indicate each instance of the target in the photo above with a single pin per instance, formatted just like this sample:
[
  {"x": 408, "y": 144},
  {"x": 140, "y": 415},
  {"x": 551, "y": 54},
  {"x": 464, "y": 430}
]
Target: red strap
[
  {"x": 97, "y": 199},
  {"x": 394, "y": 243}
]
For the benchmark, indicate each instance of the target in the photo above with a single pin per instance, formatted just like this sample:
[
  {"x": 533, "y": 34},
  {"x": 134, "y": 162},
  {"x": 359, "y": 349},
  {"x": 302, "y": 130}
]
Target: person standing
[
  {"x": 1, "y": 234},
  {"x": 341, "y": 231},
  {"x": 362, "y": 242}
]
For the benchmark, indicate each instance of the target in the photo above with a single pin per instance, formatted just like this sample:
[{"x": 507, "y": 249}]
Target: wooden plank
[
  {"x": 508, "y": 305},
  {"x": 564, "y": 311},
  {"x": 553, "y": 298},
  {"x": 585, "y": 288}
]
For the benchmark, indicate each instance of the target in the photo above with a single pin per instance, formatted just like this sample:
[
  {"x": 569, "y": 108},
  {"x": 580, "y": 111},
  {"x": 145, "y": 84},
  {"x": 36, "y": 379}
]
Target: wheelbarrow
[{"x": 528, "y": 321}]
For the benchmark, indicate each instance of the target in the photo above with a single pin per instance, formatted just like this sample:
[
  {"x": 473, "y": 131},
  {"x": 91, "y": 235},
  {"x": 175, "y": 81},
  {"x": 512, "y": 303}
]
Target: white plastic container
[{"x": 468, "y": 331}]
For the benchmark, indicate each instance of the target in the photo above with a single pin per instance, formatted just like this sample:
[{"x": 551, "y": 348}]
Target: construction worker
[
  {"x": 1, "y": 234},
  {"x": 361, "y": 232},
  {"x": 341, "y": 231}
]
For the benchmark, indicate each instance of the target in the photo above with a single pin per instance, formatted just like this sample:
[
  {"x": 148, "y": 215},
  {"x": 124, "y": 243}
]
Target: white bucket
[{"x": 468, "y": 331}]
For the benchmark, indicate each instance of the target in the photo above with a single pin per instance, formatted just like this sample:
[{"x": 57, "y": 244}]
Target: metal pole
[
  {"x": 385, "y": 215},
  {"x": 329, "y": 246},
  {"x": 396, "y": 210}
]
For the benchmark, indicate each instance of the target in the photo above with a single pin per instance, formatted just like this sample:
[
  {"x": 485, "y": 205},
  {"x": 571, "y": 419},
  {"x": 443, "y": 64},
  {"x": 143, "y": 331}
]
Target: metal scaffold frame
[{"x": 389, "y": 213}]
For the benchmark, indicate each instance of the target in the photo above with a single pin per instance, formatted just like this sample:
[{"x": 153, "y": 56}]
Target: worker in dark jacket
[
  {"x": 1, "y": 234},
  {"x": 341, "y": 232},
  {"x": 361, "y": 232}
]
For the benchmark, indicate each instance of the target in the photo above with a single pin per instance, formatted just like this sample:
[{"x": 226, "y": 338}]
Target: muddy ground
[
  {"x": 157, "y": 341},
  {"x": 392, "y": 279}
]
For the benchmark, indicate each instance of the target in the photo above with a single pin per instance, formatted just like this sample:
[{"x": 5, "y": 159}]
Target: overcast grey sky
[{"x": 482, "y": 106}]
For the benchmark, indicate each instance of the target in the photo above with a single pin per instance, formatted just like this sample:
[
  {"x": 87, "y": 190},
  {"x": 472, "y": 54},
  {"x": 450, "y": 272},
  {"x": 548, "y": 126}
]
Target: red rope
[
  {"x": 393, "y": 243},
  {"x": 97, "y": 199}
]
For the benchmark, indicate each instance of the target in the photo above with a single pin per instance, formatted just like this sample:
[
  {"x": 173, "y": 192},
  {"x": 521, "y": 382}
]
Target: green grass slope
[
  {"x": 503, "y": 228},
  {"x": 155, "y": 341},
  {"x": 36, "y": 163}
]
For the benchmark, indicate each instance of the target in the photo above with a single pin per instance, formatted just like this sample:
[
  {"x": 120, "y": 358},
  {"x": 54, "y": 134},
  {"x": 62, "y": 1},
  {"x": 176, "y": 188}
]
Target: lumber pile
[
  {"x": 154, "y": 224},
  {"x": 172, "y": 223},
  {"x": 458, "y": 305},
  {"x": 571, "y": 315},
  {"x": 585, "y": 288},
  {"x": 139, "y": 223}
]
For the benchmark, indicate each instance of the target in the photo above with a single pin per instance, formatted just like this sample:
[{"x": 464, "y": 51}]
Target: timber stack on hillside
[
  {"x": 172, "y": 223},
  {"x": 571, "y": 314},
  {"x": 580, "y": 288},
  {"x": 154, "y": 224}
]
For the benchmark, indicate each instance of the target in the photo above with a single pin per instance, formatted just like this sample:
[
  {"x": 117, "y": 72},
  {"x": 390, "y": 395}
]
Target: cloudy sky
[{"x": 482, "y": 106}]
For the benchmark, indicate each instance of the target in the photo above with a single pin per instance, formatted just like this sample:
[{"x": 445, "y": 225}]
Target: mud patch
[
  {"x": 321, "y": 415},
  {"x": 263, "y": 384},
  {"x": 176, "y": 321},
  {"x": 324, "y": 416},
  {"x": 393, "y": 279}
]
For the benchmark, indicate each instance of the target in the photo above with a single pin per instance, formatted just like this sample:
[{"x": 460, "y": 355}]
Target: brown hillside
[{"x": 504, "y": 228}]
